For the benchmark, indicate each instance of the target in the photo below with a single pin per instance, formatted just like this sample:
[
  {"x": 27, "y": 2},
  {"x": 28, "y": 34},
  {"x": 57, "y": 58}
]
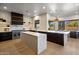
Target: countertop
[
  {"x": 4, "y": 31},
  {"x": 33, "y": 33},
  {"x": 62, "y": 32},
  {"x": 75, "y": 31},
  {"x": 49, "y": 31}
]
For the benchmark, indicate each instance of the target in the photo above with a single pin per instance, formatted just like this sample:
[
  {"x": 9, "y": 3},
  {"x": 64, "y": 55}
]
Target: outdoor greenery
[
  {"x": 51, "y": 25},
  {"x": 73, "y": 24}
]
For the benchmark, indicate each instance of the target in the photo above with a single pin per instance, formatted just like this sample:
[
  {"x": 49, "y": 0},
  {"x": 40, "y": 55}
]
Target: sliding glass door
[
  {"x": 61, "y": 25},
  {"x": 72, "y": 25}
]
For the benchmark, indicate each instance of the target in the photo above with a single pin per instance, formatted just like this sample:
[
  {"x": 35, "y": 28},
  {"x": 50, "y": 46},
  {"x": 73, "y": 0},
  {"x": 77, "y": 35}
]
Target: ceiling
[{"x": 33, "y": 9}]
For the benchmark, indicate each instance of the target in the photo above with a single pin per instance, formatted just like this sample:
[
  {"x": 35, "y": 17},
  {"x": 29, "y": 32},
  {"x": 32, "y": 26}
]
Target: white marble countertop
[
  {"x": 75, "y": 31},
  {"x": 62, "y": 32},
  {"x": 52, "y": 31},
  {"x": 32, "y": 33},
  {"x": 5, "y": 31}
]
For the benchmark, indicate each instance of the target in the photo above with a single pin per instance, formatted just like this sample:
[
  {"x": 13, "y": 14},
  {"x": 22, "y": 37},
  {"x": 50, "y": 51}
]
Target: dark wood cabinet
[
  {"x": 5, "y": 36},
  {"x": 74, "y": 34},
  {"x": 56, "y": 38},
  {"x": 16, "y": 18}
]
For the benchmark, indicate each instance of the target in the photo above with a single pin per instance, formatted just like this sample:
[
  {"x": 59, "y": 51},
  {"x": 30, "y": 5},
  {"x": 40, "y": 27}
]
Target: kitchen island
[
  {"x": 35, "y": 41},
  {"x": 58, "y": 37}
]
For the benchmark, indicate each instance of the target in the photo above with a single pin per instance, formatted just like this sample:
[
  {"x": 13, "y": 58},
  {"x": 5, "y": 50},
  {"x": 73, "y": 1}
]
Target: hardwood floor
[{"x": 17, "y": 47}]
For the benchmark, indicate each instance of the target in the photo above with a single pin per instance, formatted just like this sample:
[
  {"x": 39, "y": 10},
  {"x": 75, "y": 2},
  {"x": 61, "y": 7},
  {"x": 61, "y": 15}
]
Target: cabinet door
[
  {"x": 5, "y": 36},
  {"x": 56, "y": 38},
  {"x": 73, "y": 35}
]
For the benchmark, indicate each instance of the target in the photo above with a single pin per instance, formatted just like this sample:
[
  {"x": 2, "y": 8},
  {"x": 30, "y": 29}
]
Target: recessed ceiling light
[
  {"x": 36, "y": 14},
  {"x": 53, "y": 7},
  {"x": 36, "y": 17},
  {"x": 44, "y": 7},
  {"x": 28, "y": 13},
  {"x": 76, "y": 12},
  {"x": 68, "y": 7},
  {"x": 77, "y": 4},
  {"x": 51, "y": 11},
  {"x": 5, "y": 7},
  {"x": 54, "y": 10},
  {"x": 35, "y": 11}
]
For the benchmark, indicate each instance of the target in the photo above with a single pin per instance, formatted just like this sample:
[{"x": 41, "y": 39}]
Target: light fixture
[
  {"x": 54, "y": 10},
  {"x": 53, "y": 7},
  {"x": 28, "y": 13},
  {"x": 36, "y": 17},
  {"x": 5, "y": 7},
  {"x": 44, "y": 7},
  {"x": 68, "y": 7},
  {"x": 76, "y": 12},
  {"x": 51, "y": 11},
  {"x": 77, "y": 4},
  {"x": 35, "y": 11}
]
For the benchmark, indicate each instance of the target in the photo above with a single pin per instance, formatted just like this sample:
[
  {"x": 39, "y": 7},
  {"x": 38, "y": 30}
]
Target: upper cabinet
[{"x": 16, "y": 18}]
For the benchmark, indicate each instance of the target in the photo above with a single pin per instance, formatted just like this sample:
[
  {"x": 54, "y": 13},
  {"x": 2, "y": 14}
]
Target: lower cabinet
[
  {"x": 78, "y": 34},
  {"x": 74, "y": 34},
  {"x": 5, "y": 36},
  {"x": 56, "y": 38}
]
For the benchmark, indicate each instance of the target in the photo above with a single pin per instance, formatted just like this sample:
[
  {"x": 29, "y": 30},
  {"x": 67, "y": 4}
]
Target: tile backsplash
[{"x": 16, "y": 27}]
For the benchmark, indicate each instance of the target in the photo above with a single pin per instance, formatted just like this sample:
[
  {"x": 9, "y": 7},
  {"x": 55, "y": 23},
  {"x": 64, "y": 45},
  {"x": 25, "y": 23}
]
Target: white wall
[
  {"x": 5, "y": 15},
  {"x": 42, "y": 22},
  {"x": 26, "y": 25}
]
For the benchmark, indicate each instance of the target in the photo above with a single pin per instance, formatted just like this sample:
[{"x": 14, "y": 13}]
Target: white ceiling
[{"x": 55, "y": 9}]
